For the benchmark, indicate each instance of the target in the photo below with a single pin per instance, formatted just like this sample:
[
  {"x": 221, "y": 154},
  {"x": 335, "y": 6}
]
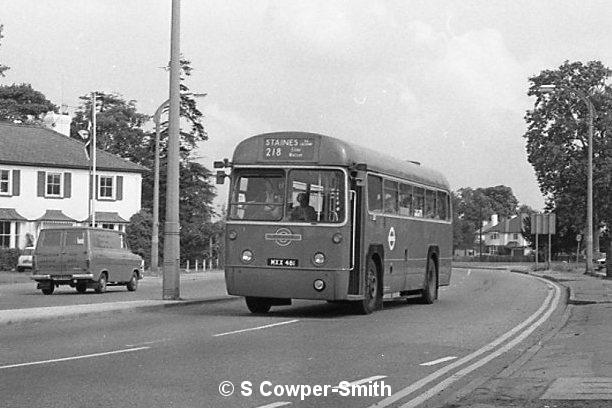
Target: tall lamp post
[
  {"x": 589, "y": 235},
  {"x": 155, "y": 231}
]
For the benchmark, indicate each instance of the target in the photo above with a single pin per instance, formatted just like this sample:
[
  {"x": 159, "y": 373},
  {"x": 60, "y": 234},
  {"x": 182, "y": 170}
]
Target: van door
[
  {"x": 75, "y": 251},
  {"x": 49, "y": 252}
]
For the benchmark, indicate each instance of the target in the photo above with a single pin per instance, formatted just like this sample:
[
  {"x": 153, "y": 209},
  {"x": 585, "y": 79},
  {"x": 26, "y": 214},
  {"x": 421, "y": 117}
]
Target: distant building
[
  {"x": 505, "y": 236},
  {"x": 45, "y": 181}
]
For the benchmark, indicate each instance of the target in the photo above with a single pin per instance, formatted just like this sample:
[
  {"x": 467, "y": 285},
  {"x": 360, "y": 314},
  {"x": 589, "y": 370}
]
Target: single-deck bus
[{"x": 313, "y": 217}]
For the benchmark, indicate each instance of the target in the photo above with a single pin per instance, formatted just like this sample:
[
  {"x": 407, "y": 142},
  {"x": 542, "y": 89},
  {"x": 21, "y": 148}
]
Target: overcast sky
[{"x": 440, "y": 82}]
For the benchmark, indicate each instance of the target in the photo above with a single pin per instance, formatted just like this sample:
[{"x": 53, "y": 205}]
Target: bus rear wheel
[
  {"x": 430, "y": 289},
  {"x": 372, "y": 290},
  {"x": 258, "y": 305}
]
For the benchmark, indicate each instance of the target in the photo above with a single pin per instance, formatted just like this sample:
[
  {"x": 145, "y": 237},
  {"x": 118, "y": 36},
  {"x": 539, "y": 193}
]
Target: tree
[
  {"x": 3, "y": 68},
  {"x": 473, "y": 206},
  {"x": 138, "y": 233},
  {"x": 557, "y": 141},
  {"x": 118, "y": 125},
  {"x": 22, "y": 104}
]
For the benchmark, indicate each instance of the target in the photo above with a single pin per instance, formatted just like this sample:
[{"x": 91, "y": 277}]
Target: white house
[
  {"x": 505, "y": 233},
  {"x": 45, "y": 181}
]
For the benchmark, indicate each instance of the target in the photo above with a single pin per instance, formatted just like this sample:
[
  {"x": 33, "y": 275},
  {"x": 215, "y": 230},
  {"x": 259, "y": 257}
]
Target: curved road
[{"x": 187, "y": 356}]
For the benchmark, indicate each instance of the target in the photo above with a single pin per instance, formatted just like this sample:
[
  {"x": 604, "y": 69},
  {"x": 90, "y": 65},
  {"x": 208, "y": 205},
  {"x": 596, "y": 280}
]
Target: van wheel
[
  {"x": 48, "y": 290},
  {"x": 258, "y": 305},
  {"x": 81, "y": 287},
  {"x": 430, "y": 289},
  {"x": 101, "y": 285},
  {"x": 372, "y": 293},
  {"x": 132, "y": 285}
]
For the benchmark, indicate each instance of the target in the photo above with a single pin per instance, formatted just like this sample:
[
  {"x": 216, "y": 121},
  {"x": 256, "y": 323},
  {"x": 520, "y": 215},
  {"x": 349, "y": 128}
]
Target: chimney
[
  {"x": 58, "y": 122},
  {"x": 494, "y": 219}
]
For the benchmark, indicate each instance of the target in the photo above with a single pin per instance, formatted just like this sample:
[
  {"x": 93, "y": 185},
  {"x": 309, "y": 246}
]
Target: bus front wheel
[
  {"x": 372, "y": 291},
  {"x": 430, "y": 289},
  {"x": 258, "y": 305}
]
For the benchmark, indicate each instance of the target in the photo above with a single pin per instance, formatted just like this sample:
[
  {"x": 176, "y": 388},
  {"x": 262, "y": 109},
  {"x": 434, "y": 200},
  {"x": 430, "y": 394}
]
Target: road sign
[{"x": 543, "y": 224}]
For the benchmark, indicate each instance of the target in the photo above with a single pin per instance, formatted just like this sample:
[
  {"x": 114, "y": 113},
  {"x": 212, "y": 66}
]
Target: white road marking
[
  {"x": 275, "y": 404},
  {"x": 367, "y": 380},
  {"x": 255, "y": 328},
  {"x": 469, "y": 272},
  {"x": 145, "y": 342},
  {"x": 56, "y": 360},
  {"x": 551, "y": 299},
  {"x": 465, "y": 371},
  {"x": 438, "y": 361}
]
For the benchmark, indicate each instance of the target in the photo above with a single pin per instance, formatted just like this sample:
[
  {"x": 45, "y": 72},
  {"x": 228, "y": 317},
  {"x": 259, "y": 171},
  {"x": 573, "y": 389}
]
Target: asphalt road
[{"x": 185, "y": 356}]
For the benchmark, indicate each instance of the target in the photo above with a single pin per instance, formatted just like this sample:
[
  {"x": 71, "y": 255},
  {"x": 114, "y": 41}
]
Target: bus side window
[
  {"x": 405, "y": 200},
  {"x": 390, "y": 189},
  {"x": 430, "y": 203},
  {"x": 418, "y": 201},
  {"x": 442, "y": 205},
  {"x": 374, "y": 193}
]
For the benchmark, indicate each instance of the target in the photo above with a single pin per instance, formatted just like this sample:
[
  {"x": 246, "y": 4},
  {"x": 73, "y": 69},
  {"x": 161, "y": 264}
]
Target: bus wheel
[
  {"x": 430, "y": 290},
  {"x": 372, "y": 294},
  {"x": 258, "y": 305}
]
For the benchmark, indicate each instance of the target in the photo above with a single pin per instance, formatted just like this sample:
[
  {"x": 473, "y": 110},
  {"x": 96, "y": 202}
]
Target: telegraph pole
[{"x": 171, "y": 279}]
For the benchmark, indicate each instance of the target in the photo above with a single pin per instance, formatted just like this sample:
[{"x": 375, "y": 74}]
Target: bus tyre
[
  {"x": 258, "y": 305},
  {"x": 101, "y": 285},
  {"x": 430, "y": 289},
  {"x": 372, "y": 294}
]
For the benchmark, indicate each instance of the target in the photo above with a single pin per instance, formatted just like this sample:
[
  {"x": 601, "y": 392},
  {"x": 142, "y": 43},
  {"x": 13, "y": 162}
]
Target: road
[{"x": 184, "y": 356}]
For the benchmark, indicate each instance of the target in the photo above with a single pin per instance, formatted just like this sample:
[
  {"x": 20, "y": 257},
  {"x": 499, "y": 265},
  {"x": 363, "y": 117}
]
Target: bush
[{"x": 8, "y": 258}]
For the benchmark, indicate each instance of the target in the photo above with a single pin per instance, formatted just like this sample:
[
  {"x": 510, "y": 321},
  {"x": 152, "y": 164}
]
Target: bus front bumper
[{"x": 287, "y": 283}]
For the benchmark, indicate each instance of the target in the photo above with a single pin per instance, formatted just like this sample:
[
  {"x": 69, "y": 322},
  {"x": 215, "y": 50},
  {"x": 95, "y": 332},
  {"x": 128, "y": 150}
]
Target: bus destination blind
[{"x": 288, "y": 148}]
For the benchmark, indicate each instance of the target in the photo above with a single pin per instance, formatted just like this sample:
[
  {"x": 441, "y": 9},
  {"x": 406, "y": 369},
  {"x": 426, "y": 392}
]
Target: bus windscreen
[{"x": 288, "y": 195}]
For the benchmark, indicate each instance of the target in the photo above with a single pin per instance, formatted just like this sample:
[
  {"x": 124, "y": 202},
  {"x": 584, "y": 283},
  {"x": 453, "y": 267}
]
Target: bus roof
[{"x": 295, "y": 148}]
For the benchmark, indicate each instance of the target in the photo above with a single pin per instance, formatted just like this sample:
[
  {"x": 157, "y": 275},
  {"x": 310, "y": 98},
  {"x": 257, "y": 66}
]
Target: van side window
[
  {"x": 51, "y": 239},
  {"x": 75, "y": 238},
  {"x": 375, "y": 193}
]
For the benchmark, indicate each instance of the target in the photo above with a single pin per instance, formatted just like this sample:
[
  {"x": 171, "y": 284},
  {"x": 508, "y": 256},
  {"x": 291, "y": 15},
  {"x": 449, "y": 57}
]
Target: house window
[
  {"x": 106, "y": 188},
  {"x": 5, "y": 234},
  {"x": 494, "y": 235},
  {"x": 515, "y": 236},
  {"x": 108, "y": 226},
  {"x": 54, "y": 185},
  {"x": 5, "y": 181}
]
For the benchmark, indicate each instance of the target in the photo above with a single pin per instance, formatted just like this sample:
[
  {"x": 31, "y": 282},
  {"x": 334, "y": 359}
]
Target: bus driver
[{"x": 304, "y": 212}]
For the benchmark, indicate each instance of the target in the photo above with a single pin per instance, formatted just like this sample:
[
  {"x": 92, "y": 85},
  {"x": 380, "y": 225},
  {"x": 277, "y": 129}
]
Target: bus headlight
[
  {"x": 337, "y": 238},
  {"x": 232, "y": 234},
  {"x": 319, "y": 285},
  {"x": 318, "y": 259},
  {"x": 247, "y": 256}
]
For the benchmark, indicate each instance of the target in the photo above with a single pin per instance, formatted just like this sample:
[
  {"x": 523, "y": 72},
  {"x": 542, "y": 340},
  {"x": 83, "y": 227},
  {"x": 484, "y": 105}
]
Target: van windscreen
[{"x": 51, "y": 238}]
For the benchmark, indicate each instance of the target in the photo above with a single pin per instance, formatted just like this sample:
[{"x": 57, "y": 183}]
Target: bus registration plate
[{"x": 282, "y": 262}]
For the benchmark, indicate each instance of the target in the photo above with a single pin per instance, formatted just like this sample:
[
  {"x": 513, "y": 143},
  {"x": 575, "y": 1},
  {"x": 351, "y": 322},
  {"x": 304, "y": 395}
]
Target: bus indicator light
[
  {"x": 337, "y": 238},
  {"x": 247, "y": 256},
  {"x": 232, "y": 234},
  {"x": 319, "y": 259}
]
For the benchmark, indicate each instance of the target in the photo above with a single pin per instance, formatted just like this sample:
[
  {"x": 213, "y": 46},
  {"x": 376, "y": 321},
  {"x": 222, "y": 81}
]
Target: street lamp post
[
  {"x": 155, "y": 230},
  {"x": 589, "y": 235}
]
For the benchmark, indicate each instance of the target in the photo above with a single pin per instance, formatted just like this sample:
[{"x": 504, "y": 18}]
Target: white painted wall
[{"x": 30, "y": 206}]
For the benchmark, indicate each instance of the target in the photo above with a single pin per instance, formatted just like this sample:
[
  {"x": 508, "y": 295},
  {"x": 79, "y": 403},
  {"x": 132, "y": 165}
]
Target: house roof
[
  {"x": 10, "y": 214},
  {"x": 108, "y": 217},
  {"x": 511, "y": 226},
  {"x": 41, "y": 147},
  {"x": 55, "y": 215}
]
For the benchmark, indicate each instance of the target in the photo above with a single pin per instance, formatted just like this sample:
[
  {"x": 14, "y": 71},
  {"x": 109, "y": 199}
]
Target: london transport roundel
[{"x": 391, "y": 238}]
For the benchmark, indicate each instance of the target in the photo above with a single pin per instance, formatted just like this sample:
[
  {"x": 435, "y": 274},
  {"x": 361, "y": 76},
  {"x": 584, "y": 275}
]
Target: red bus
[{"x": 314, "y": 217}]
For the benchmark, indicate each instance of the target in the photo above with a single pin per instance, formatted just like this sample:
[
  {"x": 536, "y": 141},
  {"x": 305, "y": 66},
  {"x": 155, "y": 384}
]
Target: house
[
  {"x": 45, "y": 181},
  {"x": 505, "y": 236}
]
